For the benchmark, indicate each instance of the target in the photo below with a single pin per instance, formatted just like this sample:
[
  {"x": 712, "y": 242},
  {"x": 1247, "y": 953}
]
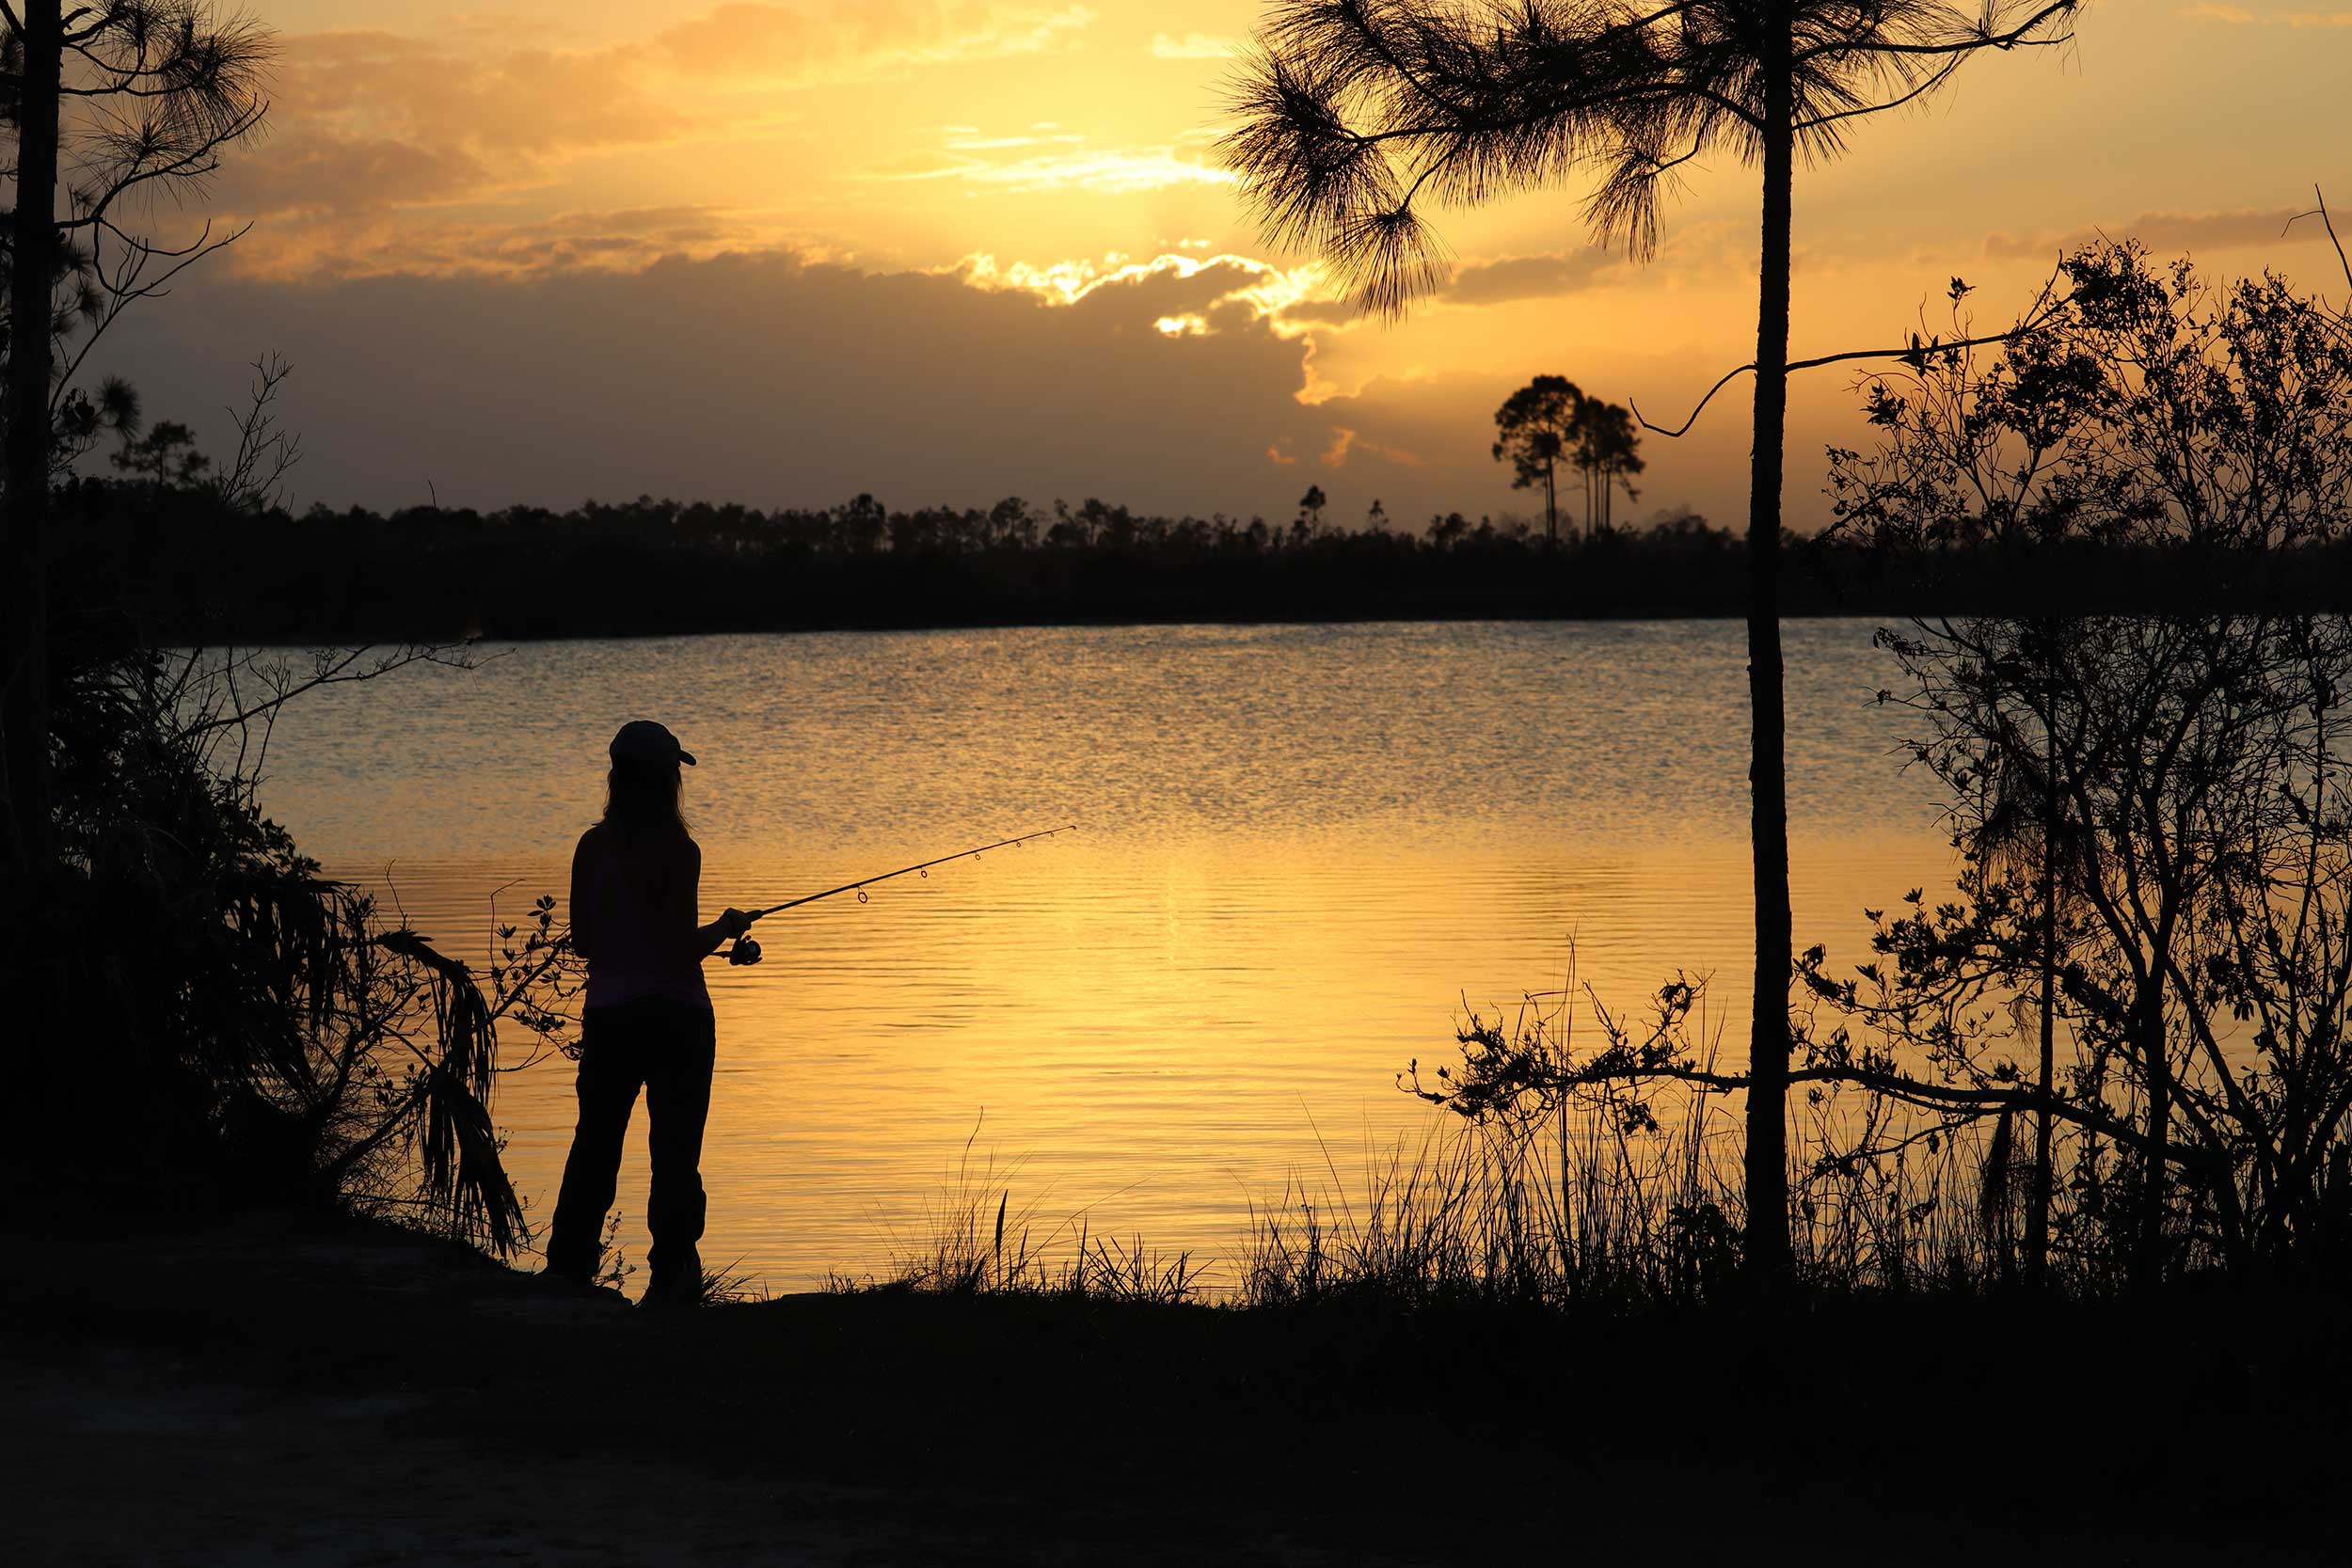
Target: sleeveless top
[{"x": 644, "y": 922}]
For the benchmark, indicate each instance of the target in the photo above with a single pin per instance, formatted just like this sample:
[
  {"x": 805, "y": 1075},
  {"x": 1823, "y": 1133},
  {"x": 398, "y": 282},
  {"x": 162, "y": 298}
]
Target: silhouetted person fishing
[
  {"x": 636, "y": 879},
  {"x": 647, "y": 1021}
]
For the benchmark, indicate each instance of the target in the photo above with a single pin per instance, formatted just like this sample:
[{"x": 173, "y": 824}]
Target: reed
[
  {"x": 1622, "y": 1197},
  {"x": 1580, "y": 1211},
  {"x": 729, "y": 1284},
  {"x": 972, "y": 1241}
]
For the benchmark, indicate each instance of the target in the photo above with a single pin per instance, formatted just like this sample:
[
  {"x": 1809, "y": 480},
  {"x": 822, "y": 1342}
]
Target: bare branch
[
  {"x": 2044, "y": 307},
  {"x": 1942, "y": 74},
  {"x": 2320, "y": 212},
  {"x": 252, "y": 479},
  {"x": 129, "y": 287}
]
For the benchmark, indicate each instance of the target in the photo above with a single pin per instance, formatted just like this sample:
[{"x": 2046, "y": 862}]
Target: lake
[{"x": 1303, "y": 851}]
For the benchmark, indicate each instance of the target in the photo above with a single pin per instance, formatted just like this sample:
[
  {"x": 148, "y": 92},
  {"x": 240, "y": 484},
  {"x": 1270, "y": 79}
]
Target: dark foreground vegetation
[
  {"x": 174, "y": 561},
  {"x": 312, "y": 1386}
]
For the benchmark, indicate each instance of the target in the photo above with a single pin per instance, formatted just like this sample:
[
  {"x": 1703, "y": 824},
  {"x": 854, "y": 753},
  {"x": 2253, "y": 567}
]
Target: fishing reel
[{"x": 743, "y": 951}]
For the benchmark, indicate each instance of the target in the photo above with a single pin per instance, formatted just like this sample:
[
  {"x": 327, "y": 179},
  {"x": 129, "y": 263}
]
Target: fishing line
[{"x": 743, "y": 950}]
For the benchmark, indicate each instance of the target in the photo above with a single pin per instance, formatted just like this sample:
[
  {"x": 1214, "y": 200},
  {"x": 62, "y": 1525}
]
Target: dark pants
[{"x": 668, "y": 1048}]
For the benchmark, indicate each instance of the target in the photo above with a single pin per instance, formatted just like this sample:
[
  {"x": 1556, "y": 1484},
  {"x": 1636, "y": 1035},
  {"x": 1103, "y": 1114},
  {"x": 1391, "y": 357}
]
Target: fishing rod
[{"x": 743, "y": 950}]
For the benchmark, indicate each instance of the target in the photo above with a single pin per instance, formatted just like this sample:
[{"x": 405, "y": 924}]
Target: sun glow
[
  {"x": 1069, "y": 153},
  {"x": 1266, "y": 290}
]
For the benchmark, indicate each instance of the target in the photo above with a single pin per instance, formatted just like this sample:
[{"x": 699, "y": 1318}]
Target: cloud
[
  {"x": 1331, "y": 312},
  {"x": 780, "y": 45},
  {"x": 325, "y": 172},
  {"x": 1115, "y": 172},
  {"x": 364, "y": 124},
  {"x": 363, "y": 121},
  {"x": 2238, "y": 16},
  {"x": 1194, "y": 46},
  {"x": 1701, "y": 248},
  {"x": 1514, "y": 277},
  {"x": 384, "y": 241},
  {"x": 1072, "y": 165},
  {"x": 1401, "y": 432},
  {"x": 2170, "y": 233},
  {"x": 515, "y": 102},
  {"x": 978, "y": 143},
  {"x": 1298, "y": 301},
  {"x": 1200, "y": 295},
  {"x": 1347, "y": 442},
  {"x": 368, "y": 126},
  {"x": 776, "y": 378}
]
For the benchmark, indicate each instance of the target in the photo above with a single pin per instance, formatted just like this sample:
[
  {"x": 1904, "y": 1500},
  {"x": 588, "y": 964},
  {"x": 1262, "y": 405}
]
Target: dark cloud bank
[{"x": 775, "y": 381}]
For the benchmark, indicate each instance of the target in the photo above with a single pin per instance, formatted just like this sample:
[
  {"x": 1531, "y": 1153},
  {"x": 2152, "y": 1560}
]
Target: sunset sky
[{"x": 782, "y": 253}]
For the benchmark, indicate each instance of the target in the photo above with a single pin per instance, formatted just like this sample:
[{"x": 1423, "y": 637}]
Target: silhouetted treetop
[
  {"x": 1535, "y": 432},
  {"x": 2149, "y": 406},
  {"x": 1352, "y": 110}
]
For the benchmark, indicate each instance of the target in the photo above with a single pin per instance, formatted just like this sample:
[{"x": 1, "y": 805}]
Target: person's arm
[
  {"x": 583, "y": 904},
  {"x": 732, "y": 923}
]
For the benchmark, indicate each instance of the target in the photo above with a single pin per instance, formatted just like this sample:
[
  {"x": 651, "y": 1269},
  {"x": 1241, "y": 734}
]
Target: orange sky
[{"x": 952, "y": 251}]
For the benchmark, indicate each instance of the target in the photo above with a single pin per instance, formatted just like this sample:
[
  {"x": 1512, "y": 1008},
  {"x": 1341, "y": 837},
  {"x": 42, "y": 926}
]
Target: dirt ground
[
  {"x": 308, "y": 1403},
  {"x": 288, "y": 1393}
]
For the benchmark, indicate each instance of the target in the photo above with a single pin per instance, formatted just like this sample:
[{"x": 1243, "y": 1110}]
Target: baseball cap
[{"x": 642, "y": 741}]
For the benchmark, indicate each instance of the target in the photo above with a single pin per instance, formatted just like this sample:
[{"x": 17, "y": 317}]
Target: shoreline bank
[{"x": 351, "y": 1394}]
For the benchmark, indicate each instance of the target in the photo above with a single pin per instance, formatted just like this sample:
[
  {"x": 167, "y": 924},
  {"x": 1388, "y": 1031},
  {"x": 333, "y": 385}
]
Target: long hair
[{"x": 641, "y": 801}]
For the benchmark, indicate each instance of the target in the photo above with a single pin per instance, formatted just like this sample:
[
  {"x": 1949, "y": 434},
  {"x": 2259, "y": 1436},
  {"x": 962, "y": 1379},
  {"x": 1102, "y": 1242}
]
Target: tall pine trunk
[
  {"x": 2037, "y": 1212},
  {"x": 33, "y": 236},
  {"x": 1768, "y": 1040},
  {"x": 2148, "y": 1261}
]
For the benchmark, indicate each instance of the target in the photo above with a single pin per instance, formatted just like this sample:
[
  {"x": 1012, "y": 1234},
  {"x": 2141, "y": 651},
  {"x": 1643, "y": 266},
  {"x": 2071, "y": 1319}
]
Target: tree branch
[
  {"x": 2043, "y": 308},
  {"x": 1934, "y": 80},
  {"x": 2320, "y": 212},
  {"x": 1984, "y": 39}
]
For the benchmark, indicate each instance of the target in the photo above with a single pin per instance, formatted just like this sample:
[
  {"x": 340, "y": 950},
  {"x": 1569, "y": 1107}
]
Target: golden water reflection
[
  {"x": 1153, "y": 1040},
  {"x": 1304, "y": 852}
]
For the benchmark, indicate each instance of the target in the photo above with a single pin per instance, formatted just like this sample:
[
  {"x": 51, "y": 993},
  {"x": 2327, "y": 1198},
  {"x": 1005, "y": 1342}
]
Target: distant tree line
[{"x": 170, "y": 557}]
